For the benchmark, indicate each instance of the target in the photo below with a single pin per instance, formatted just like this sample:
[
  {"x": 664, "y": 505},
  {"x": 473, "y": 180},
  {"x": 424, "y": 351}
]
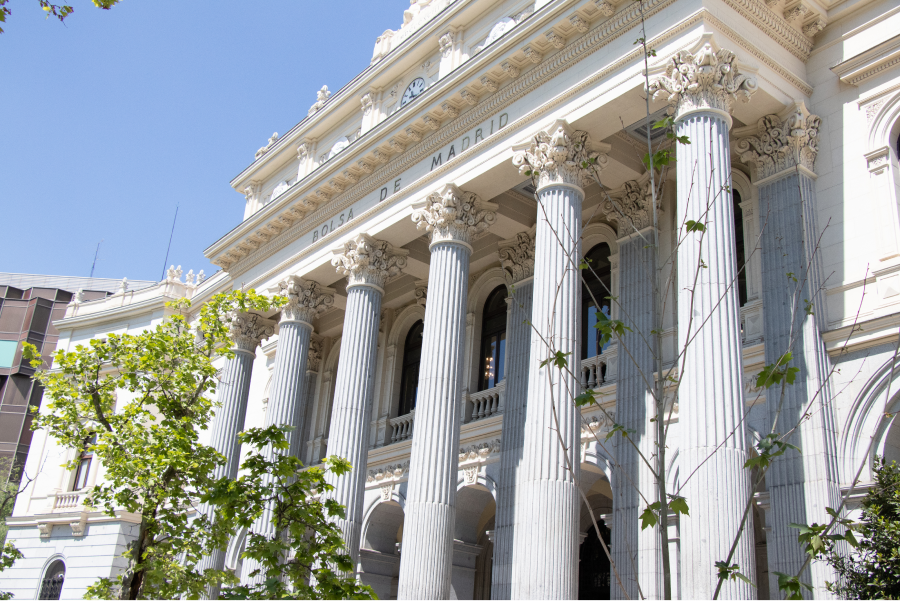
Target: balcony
[
  {"x": 402, "y": 427},
  {"x": 486, "y": 402}
]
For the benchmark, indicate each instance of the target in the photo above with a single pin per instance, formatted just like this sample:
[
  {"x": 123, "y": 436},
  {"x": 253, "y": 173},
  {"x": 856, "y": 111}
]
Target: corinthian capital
[
  {"x": 306, "y": 299},
  {"x": 706, "y": 79},
  {"x": 248, "y": 329},
  {"x": 454, "y": 215},
  {"x": 517, "y": 256},
  {"x": 369, "y": 262},
  {"x": 781, "y": 144},
  {"x": 560, "y": 156},
  {"x": 632, "y": 209},
  {"x": 314, "y": 355}
]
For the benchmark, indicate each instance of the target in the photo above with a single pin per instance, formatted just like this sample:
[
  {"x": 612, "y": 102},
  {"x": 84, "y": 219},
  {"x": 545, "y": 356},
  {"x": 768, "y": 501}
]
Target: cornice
[
  {"x": 773, "y": 25},
  {"x": 155, "y": 303},
  {"x": 572, "y": 53},
  {"x": 870, "y": 63}
]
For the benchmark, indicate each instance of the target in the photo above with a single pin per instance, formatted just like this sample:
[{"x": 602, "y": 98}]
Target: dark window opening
[
  {"x": 593, "y": 568},
  {"x": 493, "y": 339},
  {"x": 739, "y": 247},
  {"x": 83, "y": 471},
  {"x": 409, "y": 380},
  {"x": 51, "y": 585},
  {"x": 594, "y": 292}
]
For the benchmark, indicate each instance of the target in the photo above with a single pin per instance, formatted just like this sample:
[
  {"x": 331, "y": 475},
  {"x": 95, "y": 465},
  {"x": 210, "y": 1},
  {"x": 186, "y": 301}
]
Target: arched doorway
[
  {"x": 472, "y": 549},
  {"x": 52, "y": 582},
  {"x": 593, "y": 565},
  {"x": 381, "y": 547}
]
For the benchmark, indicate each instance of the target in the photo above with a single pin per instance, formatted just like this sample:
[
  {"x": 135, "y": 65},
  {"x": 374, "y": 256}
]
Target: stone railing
[
  {"x": 487, "y": 402},
  {"x": 594, "y": 371},
  {"x": 751, "y": 322},
  {"x": 68, "y": 501},
  {"x": 402, "y": 427}
]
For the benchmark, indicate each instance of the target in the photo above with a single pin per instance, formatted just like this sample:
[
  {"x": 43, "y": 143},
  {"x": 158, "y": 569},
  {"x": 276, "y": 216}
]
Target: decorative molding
[
  {"x": 510, "y": 69},
  {"x": 267, "y": 147},
  {"x": 781, "y": 144},
  {"x": 632, "y": 209},
  {"x": 321, "y": 98},
  {"x": 561, "y": 157},
  {"x": 555, "y": 39},
  {"x": 450, "y": 110},
  {"x": 366, "y": 103},
  {"x": 870, "y": 63},
  {"x": 533, "y": 55},
  {"x": 517, "y": 256},
  {"x": 772, "y": 24},
  {"x": 314, "y": 355},
  {"x": 413, "y": 134},
  {"x": 306, "y": 299},
  {"x": 369, "y": 262},
  {"x": 706, "y": 79},
  {"x": 811, "y": 29},
  {"x": 606, "y": 8},
  {"x": 798, "y": 11},
  {"x": 446, "y": 44},
  {"x": 421, "y": 292},
  {"x": 452, "y": 215},
  {"x": 489, "y": 83},
  {"x": 878, "y": 160},
  {"x": 432, "y": 123},
  {"x": 247, "y": 330},
  {"x": 478, "y": 452},
  {"x": 388, "y": 473},
  {"x": 578, "y": 23},
  {"x": 470, "y": 98}
]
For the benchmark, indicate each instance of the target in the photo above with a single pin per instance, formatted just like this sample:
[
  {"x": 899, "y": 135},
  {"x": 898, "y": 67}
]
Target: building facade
[{"x": 430, "y": 223}]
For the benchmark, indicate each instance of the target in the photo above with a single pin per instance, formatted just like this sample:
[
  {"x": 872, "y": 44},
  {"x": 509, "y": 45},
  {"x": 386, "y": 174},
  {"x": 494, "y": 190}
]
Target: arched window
[
  {"x": 739, "y": 247},
  {"x": 51, "y": 585},
  {"x": 493, "y": 339},
  {"x": 597, "y": 287},
  {"x": 84, "y": 464},
  {"x": 409, "y": 380}
]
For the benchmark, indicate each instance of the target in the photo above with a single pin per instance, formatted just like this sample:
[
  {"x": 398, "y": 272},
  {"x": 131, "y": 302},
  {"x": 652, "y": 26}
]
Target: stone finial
[
  {"x": 200, "y": 277},
  {"x": 706, "y": 79},
  {"x": 782, "y": 144},
  {"x": 633, "y": 209},
  {"x": 321, "y": 98},
  {"x": 123, "y": 286},
  {"x": 454, "y": 215},
  {"x": 79, "y": 296},
  {"x": 517, "y": 256},
  {"x": 560, "y": 156},
  {"x": 173, "y": 274},
  {"x": 314, "y": 355},
  {"x": 306, "y": 299},
  {"x": 421, "y": 292},
  {"x": 268, "y": 146},
  {"x": 369, "y": 262},
  {"x": 246, "y": 330}
]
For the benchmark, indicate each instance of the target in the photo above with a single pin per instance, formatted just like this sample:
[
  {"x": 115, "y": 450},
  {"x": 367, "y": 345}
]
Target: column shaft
[
  {"x": 428, "y": 529},
  {"x": 546, "y": 543},
  {"x": 637, "y": 553},
  {"x": 307, "y": 401},
  {"x": 711, "y": 391},
  {"x": 512, "y": 437}
]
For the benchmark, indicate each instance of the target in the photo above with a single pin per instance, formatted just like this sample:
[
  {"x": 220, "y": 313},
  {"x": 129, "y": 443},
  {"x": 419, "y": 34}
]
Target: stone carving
[
  {"x": 470, "y": 474},
  {"x": 450, "y": 110},
  {"x": 561, "y": 157},
  {"x": 396, "y": 146},
  {"x": 554, "y": 38},
  {"x": 781, "y": 145},
  {"x": 605, "y": 7},
  {"x": 366, "y": 103},
  {"x": 533, "y": 55},
  {"x": 386, "y": 492},
  {"x": 173, "y": 274},
  {"x": 811, "y": 29},
  {"x": 302, "y": 152},
  {"x": 314, "y": 355},
  {"x": 708, "y": 79},
  {"x": 479, "y": 451},
  {"x": 517, "y": 257},
  {"x": 446, "y": 44},
  {"x": 413, "y": 134},
  {"x": 45, "y": 529},
  {"x": 604, "y": 421},
  {"x": 579, "y": 23},
  {"x": 123, "y": 286},
  {"x": 633, "y": 211},
  {"x": 337, "y": 186},
  {"x": 367, "y": 261},
  {"x": 251, "y": 192},
  {"x": 795, "y": 12},
  {"x": 266, "y": 148},
  {"x": 364, "y": 166},
  {"x": 306, "y": 299},
  {"x": 246, "y": 330},
  {"x": 872, "y": 109},
  {"x": 78, "y": 527},
  {"x": 321, "y": 98},
  {"x": 431, "y": 122},
  {"x": 421, "y": 292},
  {"x": 388, "y": 472},
  {"x": 470, "y": 98},
  {"x": 350, "y": 177},
  {"x": 489, "y": 83},
  {"x": 454, "y": 215},
  {"x": 380, "y": 156},
  {"x": 510, "y": 69}
]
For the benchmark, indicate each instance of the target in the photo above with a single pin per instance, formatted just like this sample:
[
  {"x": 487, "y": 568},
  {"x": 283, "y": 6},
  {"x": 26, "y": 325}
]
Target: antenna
[
  {"x": 168, "y": 248},
  {"x": 96, "y": 253}
]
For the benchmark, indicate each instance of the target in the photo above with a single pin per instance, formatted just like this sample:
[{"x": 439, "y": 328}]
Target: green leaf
[
  {"x": 694, "y": 226},
  {"x": 679, "y": 505},
  {"x": 558, "y": 359},
  {"x": 585, "y": 398},
  {"x": 648, "y": 517}
]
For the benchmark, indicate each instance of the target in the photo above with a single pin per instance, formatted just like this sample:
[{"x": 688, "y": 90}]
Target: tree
[
  {"x": 139, "y": 402},
  {"x": 60, "y": 11}
]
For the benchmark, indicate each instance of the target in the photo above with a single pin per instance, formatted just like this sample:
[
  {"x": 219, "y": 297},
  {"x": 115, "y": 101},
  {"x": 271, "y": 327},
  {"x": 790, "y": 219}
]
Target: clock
[{"x": 414, "y": 89}]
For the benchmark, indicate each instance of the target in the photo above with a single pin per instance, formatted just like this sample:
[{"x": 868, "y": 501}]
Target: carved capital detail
[
  {"x": 314, "y": 355},
  {"x": 533, "y": 55},
  {"x": 421, "y": 292},
  {"x": 561, "y": 157},
  {"x": 782, "y": 144},
  {"x": 705, "y": 79},
  {"x": 367, "y": 261},
  {"x": 470, "y": 98},
  {"x": 366, "y": 103},
  {"x": 454, "y": 215},
  {"x": 306, "y": 299},
  {"x": 246, "y": 330},
  {"x": 633, "y": 209},
  {"x": 446, "y": 44},
  {"x": 605, "y": 7},
  {"x": 517, "y": 257}
]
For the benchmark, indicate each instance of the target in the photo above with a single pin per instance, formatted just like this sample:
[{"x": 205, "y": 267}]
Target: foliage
[
  {"x": 60, "y": 11},
  {"x": 139, "y": 403},
  {"x": 870, "y": 570},
  {"x": 8, "y": 493}
]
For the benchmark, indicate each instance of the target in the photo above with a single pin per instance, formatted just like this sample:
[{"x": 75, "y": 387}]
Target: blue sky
[{"x": 109, "y": 121}]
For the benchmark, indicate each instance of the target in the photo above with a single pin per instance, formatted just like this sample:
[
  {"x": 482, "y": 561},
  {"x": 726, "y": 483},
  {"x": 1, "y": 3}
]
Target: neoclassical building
[{"x": 427, "y": 223}]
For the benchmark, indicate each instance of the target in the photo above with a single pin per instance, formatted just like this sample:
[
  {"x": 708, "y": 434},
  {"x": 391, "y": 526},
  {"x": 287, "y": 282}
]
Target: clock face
[{"x": 415, "y": 88}]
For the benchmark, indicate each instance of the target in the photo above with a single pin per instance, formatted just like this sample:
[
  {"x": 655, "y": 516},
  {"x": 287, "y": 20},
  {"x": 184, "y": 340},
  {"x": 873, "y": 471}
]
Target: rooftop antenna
[
  {"x": 168, "y": 248},
  {"x": 96, "y": 253}
]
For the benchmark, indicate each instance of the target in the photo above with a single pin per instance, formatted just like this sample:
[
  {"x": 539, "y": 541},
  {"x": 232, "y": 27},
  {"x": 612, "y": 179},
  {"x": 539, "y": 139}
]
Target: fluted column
[
  {"x": 368, "y": 264},
  {"x": 453, "y": 218},
  {"x": 702, "y": 88},
  {"x": 246, "y": 330},
  {"x": 307, "y": 392},
  {"x": 517, "y": 260},
  {"x": 801, "y": 485},
  {"x": 306, "y": 300},
  {"x": 547, "y": 497},
  {"x": 637, "y": 553}
]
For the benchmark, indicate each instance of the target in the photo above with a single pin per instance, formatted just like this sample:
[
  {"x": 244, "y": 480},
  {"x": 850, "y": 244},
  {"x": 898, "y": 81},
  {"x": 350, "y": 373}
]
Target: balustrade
[
  {"x": 402, "y": 427},
  {"x": 594, "y": 371},
  {"x": 487, "y": 402},
  {"x": 69, "y": 500}
]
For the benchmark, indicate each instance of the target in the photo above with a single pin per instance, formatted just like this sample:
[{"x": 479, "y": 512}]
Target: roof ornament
[
  {"x": 321, "y": 98},
  {"x": 266, "y": 148}
]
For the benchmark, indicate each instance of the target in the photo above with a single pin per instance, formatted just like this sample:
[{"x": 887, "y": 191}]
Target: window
[
  {"x": 739, "y": 247},
  {"x": 84, "y": 465},
  {"x": 597, "y": 286},
  {"x": 51, "y": 585},
  {"x": 409, "y": 380},
  {"x": 493, "y": 339}
]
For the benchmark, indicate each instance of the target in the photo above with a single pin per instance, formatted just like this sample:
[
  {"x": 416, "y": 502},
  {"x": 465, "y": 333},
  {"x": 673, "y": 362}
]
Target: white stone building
[{"x": 408, "y": 354}]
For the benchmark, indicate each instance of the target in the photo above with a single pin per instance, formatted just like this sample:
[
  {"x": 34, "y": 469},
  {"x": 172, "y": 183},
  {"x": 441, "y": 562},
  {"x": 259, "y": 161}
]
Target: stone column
[
  {"x": 800, "y": 486},
  {"x": 636, "y": 552},
  {"x": 454, "y": 218},
  {"x": 307, "y": 398},
  {"x": 702, "y": 88},
  {"x": 546, "y": 542},
  {"x": 517, "y": 260},
  {"x": 368, "y": 264},
  {"x": 246, "y": 330},
  {"x": 306, "y": 300}
]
